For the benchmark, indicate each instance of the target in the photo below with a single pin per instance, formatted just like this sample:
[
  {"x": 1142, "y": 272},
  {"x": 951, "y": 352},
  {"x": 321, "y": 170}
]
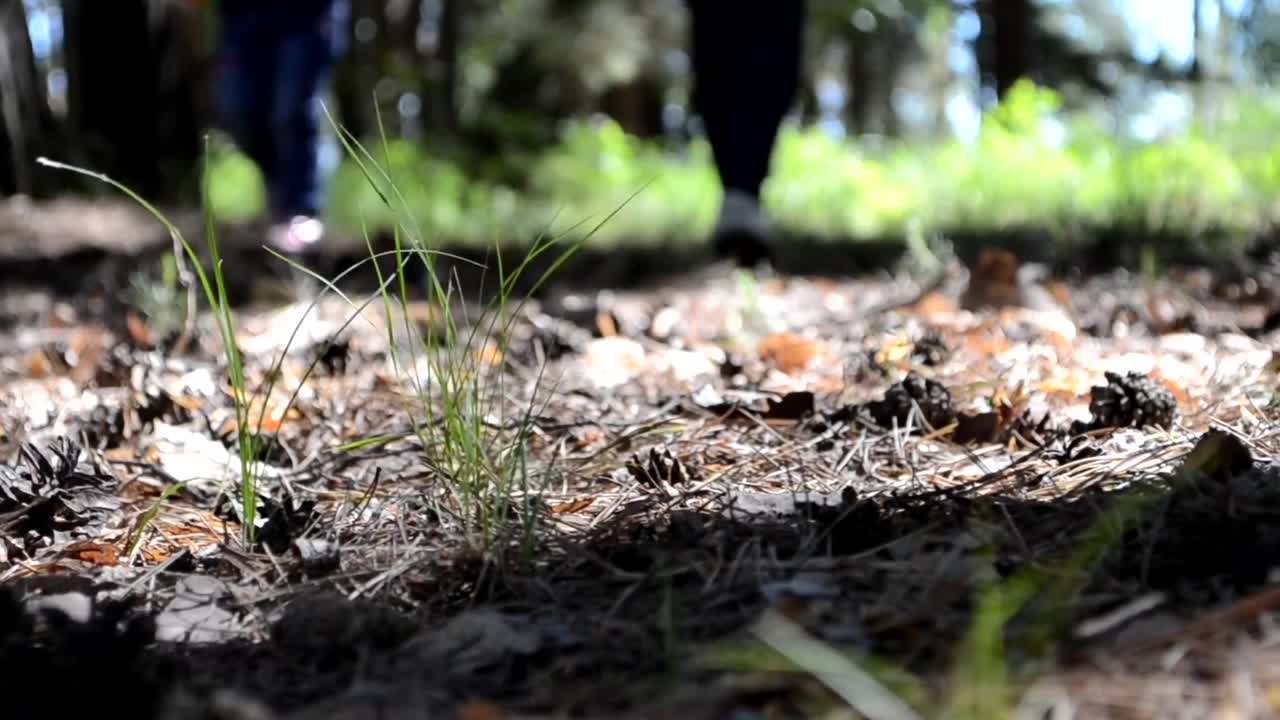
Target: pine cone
[{"x": 1132, "y": 400}]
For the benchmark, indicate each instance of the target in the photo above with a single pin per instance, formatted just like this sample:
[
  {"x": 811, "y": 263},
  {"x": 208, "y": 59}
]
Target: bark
[
  {"x": 357, "y": 73},
  {"x": 446, "y": 96},
  {"x": 132, "y": 99},
  {"x": 636, "y": 106},
  {"x": 861, "y": 82},
  {"x": 24, "y": 111},
  {"x": 875, "y": 61}
]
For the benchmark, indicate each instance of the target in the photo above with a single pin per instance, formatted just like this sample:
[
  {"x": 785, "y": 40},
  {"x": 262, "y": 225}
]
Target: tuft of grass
[
  {"x": 161, "y": 299},
  {"x": 462, "y": 416},
  {"x": 216, "y": 294},
  {"x": 474, "y": 437}
]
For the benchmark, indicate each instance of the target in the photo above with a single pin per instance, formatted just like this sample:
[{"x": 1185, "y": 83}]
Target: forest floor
[{"x": 732, "y": 495}]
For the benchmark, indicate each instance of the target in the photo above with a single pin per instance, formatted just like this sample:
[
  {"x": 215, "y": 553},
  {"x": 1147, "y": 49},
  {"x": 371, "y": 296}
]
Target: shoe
[
  {"x": 742, "y": 232},
  {"x": 299, "y": 234}
]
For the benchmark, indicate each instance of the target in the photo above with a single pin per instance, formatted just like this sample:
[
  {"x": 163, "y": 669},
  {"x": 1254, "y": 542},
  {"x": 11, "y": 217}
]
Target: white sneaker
[{"x": 299, "y": 234}]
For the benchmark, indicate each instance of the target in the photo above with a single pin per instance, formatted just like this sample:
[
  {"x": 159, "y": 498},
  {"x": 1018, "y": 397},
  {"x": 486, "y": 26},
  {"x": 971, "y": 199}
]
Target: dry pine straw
[{"x": 668, "y": 550}]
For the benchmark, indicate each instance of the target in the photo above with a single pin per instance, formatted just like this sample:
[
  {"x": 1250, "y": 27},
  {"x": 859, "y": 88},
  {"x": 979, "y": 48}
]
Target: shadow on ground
[{"x": 647, "y": 608}]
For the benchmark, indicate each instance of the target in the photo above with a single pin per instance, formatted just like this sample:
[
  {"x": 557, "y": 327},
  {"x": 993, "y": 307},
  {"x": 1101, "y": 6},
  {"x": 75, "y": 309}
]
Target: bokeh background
[{"x": 1075, "y": 118}]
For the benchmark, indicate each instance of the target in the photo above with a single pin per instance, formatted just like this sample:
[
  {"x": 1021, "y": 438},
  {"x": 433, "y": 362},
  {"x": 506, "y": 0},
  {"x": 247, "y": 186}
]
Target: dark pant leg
[
  {"x": 243, "y": 90},
  {"x": 746, "y": 65},
  {"x": 306, "y": 50}
]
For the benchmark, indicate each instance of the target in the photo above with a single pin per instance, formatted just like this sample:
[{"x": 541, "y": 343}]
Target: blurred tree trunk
[
  {"x": 358, "y": 71},
  {"x": 875, "y": 60},
  {"x": 133, "y": 85},
  {"x": 1194, "y": 73},
  {"x": 445, "y": 86},
  {"x": 861, "y": 83},
  {"x": 25, "y": 119},
  {"x": 1010, "y": 41},
  {"x": 636, "y": 106},
  {"x": 348, "y": 89}
]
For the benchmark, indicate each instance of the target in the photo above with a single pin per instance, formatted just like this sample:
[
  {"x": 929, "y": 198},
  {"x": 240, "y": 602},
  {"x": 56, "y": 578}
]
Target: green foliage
[
  {"x": 1031, "y": 164},
  {"x": 1185, "y": 186},
  {"x": 162, "y": 299},
  {"x": 823, "y": 186},
  {"x": 215, "y": 293},
  {"x": 597, "y": 165},
  {"x": 436, "y": 190},
  {"x": 475, "y": 444},
  {"x": 233, "y": 184}
]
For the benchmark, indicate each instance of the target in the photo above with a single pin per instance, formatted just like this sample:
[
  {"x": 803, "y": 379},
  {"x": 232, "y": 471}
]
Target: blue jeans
[{"x": 275, "y": 59}]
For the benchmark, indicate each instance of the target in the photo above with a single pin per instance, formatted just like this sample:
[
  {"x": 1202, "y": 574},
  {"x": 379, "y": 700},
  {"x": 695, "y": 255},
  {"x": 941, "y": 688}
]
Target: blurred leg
[
  {"x": 243, "y": 89},
  {"x": 746, "y": 64},
  {"x": 304, "y": 59}
]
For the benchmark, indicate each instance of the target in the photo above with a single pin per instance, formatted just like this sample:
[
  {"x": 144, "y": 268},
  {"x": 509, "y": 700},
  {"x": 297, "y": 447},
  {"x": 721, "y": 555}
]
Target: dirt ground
[{"x": 987, "y": 492}]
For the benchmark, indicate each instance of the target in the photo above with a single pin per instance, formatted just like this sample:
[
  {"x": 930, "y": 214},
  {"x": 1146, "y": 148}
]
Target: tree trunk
[
  {"x": 24, "y": 111},
  {"x": 861, "y": 106},
  {"x": 1011, "y": 40},
  {"x": 359, "y": 70},
  {"x": 636, "y": 107},
  {"x": 131, "y": 96},
  {"x": 446, "y": 99},
  {"x": 1197, "y": 44},
  {"x": 875, "y": 60}
]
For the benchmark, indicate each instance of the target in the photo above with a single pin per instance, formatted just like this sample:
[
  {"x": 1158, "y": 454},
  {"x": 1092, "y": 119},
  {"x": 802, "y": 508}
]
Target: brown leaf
[
  {"x": 573, "y": 506},
  {"x": 481, "y": 710},
  {"x": 488, "y": 354},
  {"x": 606, "y": 324},
  {"x": 125, "y": 454},
  {"x": 585, "y": 437},
  {"x": 934, "y": 303},
  {"x": 91, "y": 551},
  {"x": 38, "y": 365},
  {"x": 86, "y": 348},
  {"x": 274, "y": 417},
  {"x": 993, "y": 281},
  {"x": 788, "y": 352},
  {"x": 1060, "y": 293},
  {"x": 139, "y": 332}
]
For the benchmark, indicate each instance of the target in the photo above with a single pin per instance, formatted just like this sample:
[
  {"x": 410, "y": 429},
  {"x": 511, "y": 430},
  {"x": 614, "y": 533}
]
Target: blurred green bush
[{"x": 1031, "y": 165}]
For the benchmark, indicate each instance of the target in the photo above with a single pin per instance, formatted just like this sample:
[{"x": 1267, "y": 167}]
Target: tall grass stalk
[
  {"x": 461, "y": 418},
  {"x": 216, "y": 294}
]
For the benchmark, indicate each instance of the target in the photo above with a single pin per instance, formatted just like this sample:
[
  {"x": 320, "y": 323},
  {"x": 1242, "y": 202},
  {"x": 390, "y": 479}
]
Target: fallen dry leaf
[
  {"x": 934, "y": 304},
  {"x": 488, "y": 354},
  {"x": 788, "y": 352},
  {"x": 606, "y": 324},
  {"x": 91, "y": 551},
  {"x": 573, "y": 506},
  {"x": 481, "y": 710},
  {"x": 612, "y": 361},
  {"x": 139, "y": 331},
  {"x": 993, "y": 282}
]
